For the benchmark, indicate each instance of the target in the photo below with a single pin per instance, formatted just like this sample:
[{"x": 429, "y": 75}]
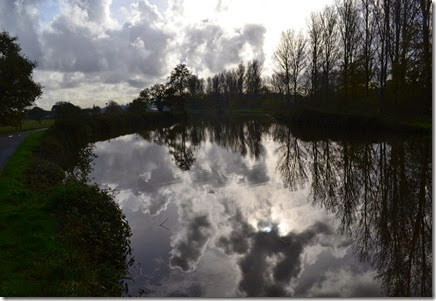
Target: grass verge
[
  {"x": 29, "y": 246},
  {"x": 27, "y": 126}
]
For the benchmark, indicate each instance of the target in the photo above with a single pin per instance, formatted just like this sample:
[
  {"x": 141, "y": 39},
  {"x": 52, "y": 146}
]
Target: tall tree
[
  {"x": 298, "y": 60},
  {"x": 368, "y": 18},
  {"x": 329, "y": 45},
  {"x": 253, "y": 78},
  {"x": 241, "y": 76},
  {"x": 314, "y": 41},
  {"x": 179, "y": 79},
  {"x": 17, "y": 88},
  {"x": 282, "y": 56},
  {"x": 349, "y": 32},
  {"x": 426, "y": 24}
]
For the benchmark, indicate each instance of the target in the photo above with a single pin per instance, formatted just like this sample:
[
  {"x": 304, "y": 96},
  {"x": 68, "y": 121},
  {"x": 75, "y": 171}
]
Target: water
[{"x": 249, "y": 209}]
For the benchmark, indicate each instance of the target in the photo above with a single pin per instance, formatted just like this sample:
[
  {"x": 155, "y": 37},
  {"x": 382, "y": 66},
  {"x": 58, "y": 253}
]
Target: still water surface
[{"x": 248, "y": 209}]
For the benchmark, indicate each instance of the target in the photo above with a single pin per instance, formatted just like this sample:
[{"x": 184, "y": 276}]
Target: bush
[
  {"x": 42, "y": 175},
  {"x": 93, "y": 226}
]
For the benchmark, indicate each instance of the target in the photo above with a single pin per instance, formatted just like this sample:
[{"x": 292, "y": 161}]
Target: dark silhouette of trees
[
  {"x": 349, "y": 33},
  {"x": 282, "y": 56},
  {"x": 241, "y": 78},
  {"x": 253, "y": 78},
  {"x": 376, "y": 53},
  {"x": 314, "y": 52},
  {"x": 65, "y": 110},
  {"x": 329, "y": 48},
  {"x": 195, "y": 85},
  {"x": 291, "y": 59},
  {"x": 37, "y": 113},
  {"x": 17, "y": 88},
  {"x": 158, "y": 95},
  {"x": 298, "y": 61},
  {"x": 113, "y": 107},
  {"x": 179, "y": 79},
  {"x": 368, "y": 30},
  {"x": 138, "y": 105}
]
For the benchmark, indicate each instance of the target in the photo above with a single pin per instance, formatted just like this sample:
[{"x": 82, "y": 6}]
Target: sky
[{"x": 92, "y": 51}]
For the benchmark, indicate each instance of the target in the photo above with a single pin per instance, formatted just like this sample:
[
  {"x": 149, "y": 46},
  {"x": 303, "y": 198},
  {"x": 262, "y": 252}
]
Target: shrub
[{"x": 96, "y": 229}]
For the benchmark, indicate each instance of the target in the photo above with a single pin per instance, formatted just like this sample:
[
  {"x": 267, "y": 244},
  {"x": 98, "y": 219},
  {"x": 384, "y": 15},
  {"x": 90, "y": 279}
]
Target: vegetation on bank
[
  {"x": 27, "y": 126},
  {"x": 59, "y": 236}
]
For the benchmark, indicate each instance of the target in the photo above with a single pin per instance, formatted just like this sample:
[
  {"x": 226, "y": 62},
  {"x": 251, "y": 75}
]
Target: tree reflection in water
[
  {"x": 382, "y": 196},
  {"x": 380, "y": 192}
]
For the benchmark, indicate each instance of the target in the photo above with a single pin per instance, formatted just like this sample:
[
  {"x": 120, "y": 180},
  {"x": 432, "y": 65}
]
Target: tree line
[
  {"x": 359, "y": 49},
  {"x": 376, "y": 51},
  {"x": 373, "y": 51}
]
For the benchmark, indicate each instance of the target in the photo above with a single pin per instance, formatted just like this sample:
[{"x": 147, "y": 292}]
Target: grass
[
  {"x": 29, "y": 246},
  {"x": 27, "y": 125},
  {"x": 68, "y": 239}
]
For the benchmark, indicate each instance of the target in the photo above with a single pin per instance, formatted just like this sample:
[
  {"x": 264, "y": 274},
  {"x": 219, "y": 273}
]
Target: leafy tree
[
  {"x": 179, "y": 79},
  {"x": 37, "y": 113},
  {"x": 113, "y": 107},
  {"x": 138, "y": 105},
  {"x": 159, "y": 94},
  {"x": 17, "y": 88},
  {"x": 64, "y": 109}
]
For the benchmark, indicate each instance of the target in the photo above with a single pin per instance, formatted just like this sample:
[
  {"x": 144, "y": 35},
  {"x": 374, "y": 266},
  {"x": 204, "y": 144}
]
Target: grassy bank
[
  {"x": 58, "y": 236},
  {"x": 31, "y": 251},
  {"x": 27, "y": 126}
]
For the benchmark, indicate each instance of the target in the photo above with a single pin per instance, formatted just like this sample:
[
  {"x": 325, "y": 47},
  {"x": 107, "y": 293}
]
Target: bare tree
[
  {"x": 426, "y": 23},
  {"x": 329, "y": 45},
  {"x": 241, "y": 76},
  {"x": 382, "y": 14},
  {"x": 253, "y": 78},
  {"x": 314, "y": 40},
  {"x": 278, "y": 83},
  {"x": 195, "y": 85},
  {"x": 368, "y": 18},
  {"x": 298, "y": 60},
  {"x": 283, "y": 58},
  {"x": 349, "y": 32}
]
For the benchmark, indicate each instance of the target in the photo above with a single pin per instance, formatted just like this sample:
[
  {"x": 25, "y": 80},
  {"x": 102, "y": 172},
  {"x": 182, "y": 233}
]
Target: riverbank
[
  {"x": 312, "y": 118},
  {"x": 59, "y": 236},
  {"x": 351, "y": 116}
]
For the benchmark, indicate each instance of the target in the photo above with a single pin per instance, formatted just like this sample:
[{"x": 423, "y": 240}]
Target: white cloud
[{"x": 112, "y": 49}]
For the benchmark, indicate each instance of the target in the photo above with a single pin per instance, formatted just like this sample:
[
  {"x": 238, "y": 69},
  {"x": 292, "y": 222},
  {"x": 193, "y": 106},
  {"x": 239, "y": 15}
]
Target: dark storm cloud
[
  {"x": 259, "y": 276},
  {"x": 239, "y": 239},
  {"x": 271, "y": 262}
]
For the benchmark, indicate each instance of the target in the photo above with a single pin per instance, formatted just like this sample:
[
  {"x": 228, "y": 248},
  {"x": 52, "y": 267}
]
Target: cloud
[
  {"x": 331, "y": 276},
  {"x": 268, "y": 266},
  {"x": 20, "y": 18},
  {"x": 210, "y": 46},
  {"x": 239, "y": 239},
  {"x": 189, "y": 244}
]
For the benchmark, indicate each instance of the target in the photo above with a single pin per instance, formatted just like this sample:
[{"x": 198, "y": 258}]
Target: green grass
[
  {"x": 29, "y": 246},
  {"x": 27, "y": 125},
  {"x": 40, "y": 231}
]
